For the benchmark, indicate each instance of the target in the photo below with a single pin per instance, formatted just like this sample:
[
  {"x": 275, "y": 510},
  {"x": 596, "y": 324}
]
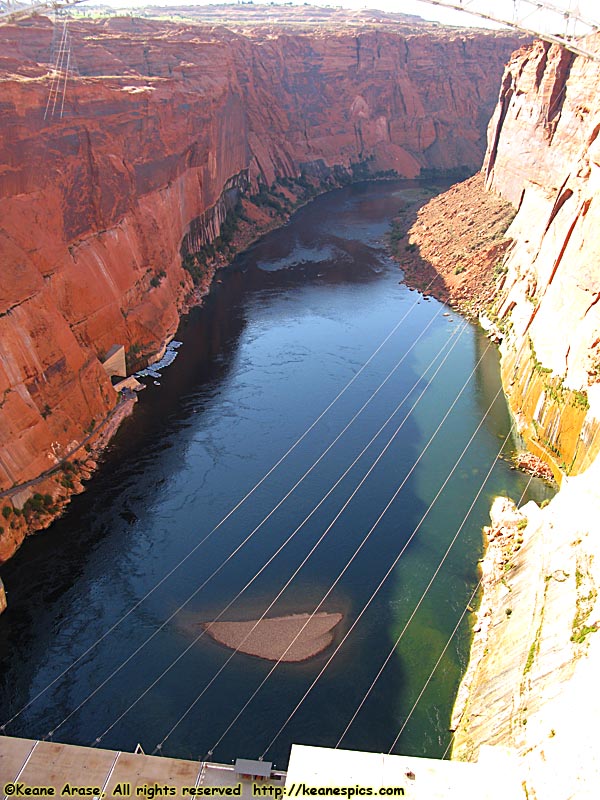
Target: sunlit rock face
[
  {"x": 531, "y": 680},
  {"x": 544, "y": 157}
]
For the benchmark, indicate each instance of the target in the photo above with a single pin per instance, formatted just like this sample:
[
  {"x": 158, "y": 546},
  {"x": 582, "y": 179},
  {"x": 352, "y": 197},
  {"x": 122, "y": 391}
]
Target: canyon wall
[
  {"x": 114, "y": 169},
  {"x": 531, "y": 684},
  {"x": 544, "y": 156},
  {"x": 523, "y": 255}
]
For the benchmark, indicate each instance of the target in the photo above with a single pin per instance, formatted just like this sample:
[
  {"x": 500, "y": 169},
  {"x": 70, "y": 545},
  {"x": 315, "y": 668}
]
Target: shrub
[
  {"x": 132, "y": 356},
  {"x": 579, "y": 399},
  {"x": 38, "y": 504},
  {"x": 191, "y": 263},
  {"x": 155, "y": 280},
  {"x": 578, "y": 636}
]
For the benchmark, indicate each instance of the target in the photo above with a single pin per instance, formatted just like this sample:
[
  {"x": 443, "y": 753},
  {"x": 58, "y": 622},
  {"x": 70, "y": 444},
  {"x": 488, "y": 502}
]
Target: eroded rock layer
[
  {"x": 524, "y": 255},
  {"x": 544, "y": 156},
  {"x": 530, "y": 687},
  {"x": 111, "y": 170}
]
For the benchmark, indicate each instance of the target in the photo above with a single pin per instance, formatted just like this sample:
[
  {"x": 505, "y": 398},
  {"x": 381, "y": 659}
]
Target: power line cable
[
  {"x": 180, "y": 563},
  {"x": 462, "y": 616},
  {"x": 62, "y": 106},
  {"x": 467, "y": 608},
  {"x": 448, "y": 746},
  {"x": 433, "y": 577},
  {"x": 477, "y": 587},
  {"x": 437, "y": 663},
  {"x": 291, "y": 536},
  {"x": 65, "y": 49},
  {"x": 218, "y": 569},
  {"x": 56, "y": 53},
  {"x": 343, "y": 571},
  {"x": 525, "y": 490},
  {"x": 55, "y": 76},
  {"x": 389, "y": 571},
  {"x": 325, "y": 532}
]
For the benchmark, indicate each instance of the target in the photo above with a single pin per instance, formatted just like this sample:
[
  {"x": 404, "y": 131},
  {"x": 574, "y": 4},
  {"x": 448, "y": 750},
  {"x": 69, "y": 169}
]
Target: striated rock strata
[
  {"x": 531, "y": 686},
  {"x": 114, "y": 170},
  {"x": 530, "y": 690},
  {"x": 544, "y": 156},
  {"x": 523, "y": 254}
]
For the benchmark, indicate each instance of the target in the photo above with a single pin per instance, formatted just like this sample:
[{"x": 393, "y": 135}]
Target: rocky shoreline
[
  {"x": 452, "y": 247},
  {"x": 531, "y": 682},
  {"x": 33, "y": 506},
  {"x": 531, "y": 679},
  {"x": 503, "y": 539}
]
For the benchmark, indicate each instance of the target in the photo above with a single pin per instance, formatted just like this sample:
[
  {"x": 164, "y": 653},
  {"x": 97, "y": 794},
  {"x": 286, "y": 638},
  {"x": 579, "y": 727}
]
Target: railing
[
  {"x": 13, "y": 10},
  {"x": 558, "y": 24}
]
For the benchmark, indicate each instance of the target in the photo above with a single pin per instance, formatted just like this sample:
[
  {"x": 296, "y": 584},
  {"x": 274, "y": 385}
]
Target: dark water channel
[{"x": 281, "y": 334}]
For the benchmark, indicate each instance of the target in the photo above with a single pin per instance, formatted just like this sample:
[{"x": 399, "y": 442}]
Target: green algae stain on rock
[{"x": 554, "y": 420}]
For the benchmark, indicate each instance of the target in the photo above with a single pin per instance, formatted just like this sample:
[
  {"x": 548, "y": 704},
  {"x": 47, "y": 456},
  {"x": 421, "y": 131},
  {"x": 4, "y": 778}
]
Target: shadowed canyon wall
[{"x": 146, "y": 144}]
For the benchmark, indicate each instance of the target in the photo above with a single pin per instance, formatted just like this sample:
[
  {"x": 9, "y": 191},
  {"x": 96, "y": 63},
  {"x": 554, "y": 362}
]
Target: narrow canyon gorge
[
  {"x": 179, "y": 142},
  {"x": 161, "y": 130}
]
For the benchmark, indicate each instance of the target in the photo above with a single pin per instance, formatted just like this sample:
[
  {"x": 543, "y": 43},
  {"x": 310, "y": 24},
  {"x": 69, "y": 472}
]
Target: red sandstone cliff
[
  {"x": 544, "y": 156},
  {"x": 95, "y": 205}
]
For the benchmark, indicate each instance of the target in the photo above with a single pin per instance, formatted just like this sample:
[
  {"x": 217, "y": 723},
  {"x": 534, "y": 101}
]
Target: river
[{"x": 115, "y": 592}]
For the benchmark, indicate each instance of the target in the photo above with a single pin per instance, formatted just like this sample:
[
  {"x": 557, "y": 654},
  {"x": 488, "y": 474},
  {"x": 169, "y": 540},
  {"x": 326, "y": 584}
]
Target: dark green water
[{"x": 287, "y": 327}]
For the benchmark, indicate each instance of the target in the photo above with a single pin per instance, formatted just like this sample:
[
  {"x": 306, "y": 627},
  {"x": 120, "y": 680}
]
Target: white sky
[{"x": 535, "y": 18}]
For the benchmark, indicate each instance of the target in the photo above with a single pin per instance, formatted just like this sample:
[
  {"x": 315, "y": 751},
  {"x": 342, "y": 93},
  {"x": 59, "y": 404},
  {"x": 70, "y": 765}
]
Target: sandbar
[{"x": 269, "y": 638}]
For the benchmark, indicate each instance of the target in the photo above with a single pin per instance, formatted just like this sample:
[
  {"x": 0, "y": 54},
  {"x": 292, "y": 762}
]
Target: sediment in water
[{"x": 296, "y": 637}]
